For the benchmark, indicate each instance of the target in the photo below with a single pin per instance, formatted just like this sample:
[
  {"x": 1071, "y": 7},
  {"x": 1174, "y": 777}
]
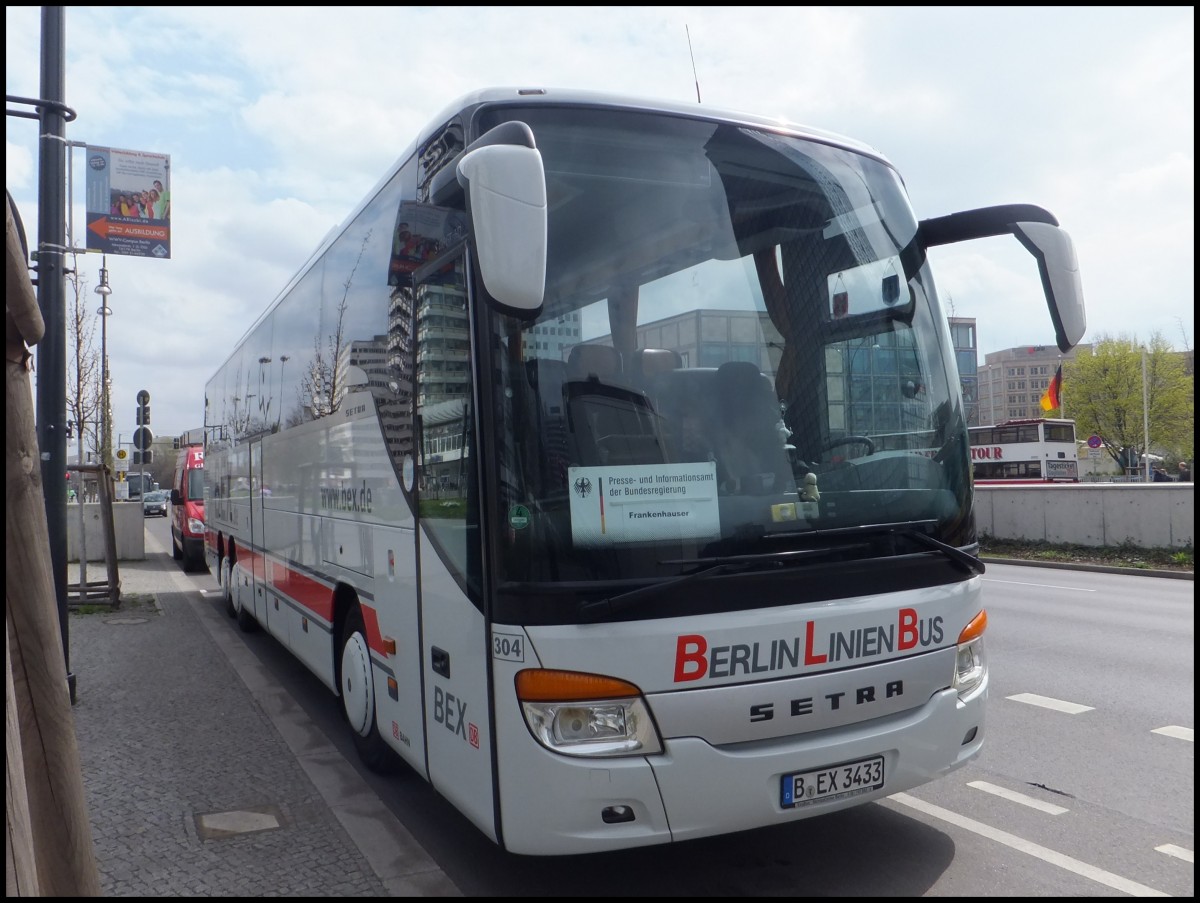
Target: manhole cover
[
  {"x": 120, "y": 621},
  {"x": 216, "y": 825}
]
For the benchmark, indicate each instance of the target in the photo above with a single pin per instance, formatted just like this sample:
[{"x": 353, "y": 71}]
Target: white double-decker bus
[
  {"x": 1037, "y": 450},
  {"x": 554, "y": 464}
]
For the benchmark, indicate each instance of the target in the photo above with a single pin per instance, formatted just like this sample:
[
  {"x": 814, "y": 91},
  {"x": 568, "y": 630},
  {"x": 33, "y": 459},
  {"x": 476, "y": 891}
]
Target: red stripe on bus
[
  {"x": 371, "y": 625},
  {"x": 303, "y": 590},
  {"x": 1012, "y": 482}
]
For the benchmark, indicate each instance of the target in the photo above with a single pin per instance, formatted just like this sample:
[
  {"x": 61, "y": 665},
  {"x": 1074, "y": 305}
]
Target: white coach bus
[{"x": 554, "y": 464}]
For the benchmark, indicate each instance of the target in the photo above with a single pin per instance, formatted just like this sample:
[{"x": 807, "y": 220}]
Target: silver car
[{"x": 154, "y": 504}]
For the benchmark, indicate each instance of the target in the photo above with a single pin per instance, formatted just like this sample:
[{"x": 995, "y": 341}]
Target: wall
[
  {"x": 128, "y": 522},
  {"x": 1148, "y": 515}
]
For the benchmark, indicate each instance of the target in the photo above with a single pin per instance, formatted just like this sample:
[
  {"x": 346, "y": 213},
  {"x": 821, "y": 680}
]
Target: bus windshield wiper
[
  {"x": 913, "y": 529},
  {"x": 722, "y": 564},
  {"x": 972, "y": 564}
]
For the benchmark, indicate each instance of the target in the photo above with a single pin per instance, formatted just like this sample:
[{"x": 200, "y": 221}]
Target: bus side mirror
[
  {"x": 1038, "y": 231},
  {"x": 506, "y": 199},
  {"x": 176, "y": 498},
  {"x": 1055, "y": 253}
]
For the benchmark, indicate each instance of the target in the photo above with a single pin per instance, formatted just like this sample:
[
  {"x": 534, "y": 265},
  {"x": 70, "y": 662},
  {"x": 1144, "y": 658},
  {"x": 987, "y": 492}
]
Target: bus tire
[
  {"x": 246, "y": 621},
  {"x": 176, "y": 551},
  {"x": 357, "y": 691},
  {"x": 223, "y": 578}
]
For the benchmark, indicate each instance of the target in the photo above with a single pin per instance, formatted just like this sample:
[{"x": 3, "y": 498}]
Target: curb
[{"x": 1098, "y": 568}]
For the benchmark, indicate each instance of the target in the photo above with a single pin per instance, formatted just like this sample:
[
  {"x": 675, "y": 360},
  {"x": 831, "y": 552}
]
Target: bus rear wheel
[
  {"x": 224, "y": 578},
  {"x": 357, "y": 689}
]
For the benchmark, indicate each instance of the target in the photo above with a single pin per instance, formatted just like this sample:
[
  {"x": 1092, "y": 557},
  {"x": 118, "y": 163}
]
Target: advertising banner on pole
[{"x": 128, "y": 202}]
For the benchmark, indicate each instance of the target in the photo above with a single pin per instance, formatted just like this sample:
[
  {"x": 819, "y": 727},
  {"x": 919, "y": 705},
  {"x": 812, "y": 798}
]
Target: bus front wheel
[{"x": 358, "y": 695}]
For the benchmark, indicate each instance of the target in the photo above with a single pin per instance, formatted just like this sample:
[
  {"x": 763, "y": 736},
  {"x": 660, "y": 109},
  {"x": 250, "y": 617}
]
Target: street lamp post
[
  {"x": 104, "y": 290},
  {"x": 1145, "y": 416},
  {"x": 283, "y": 359},
  {"x": 264, "y": 406}
]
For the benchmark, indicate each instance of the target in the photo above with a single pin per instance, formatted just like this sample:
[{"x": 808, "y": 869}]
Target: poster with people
[
  {"x": 128, "y": 202},
  {"x": 422, "y": 232}
]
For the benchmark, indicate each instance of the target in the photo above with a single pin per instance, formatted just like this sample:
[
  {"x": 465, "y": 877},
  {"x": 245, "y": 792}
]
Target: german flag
[{"x": 1051, "y": 399}]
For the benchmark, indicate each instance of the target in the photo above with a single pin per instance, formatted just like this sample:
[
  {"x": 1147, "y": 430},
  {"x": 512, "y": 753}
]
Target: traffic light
[{"x": 143, "y": 436}]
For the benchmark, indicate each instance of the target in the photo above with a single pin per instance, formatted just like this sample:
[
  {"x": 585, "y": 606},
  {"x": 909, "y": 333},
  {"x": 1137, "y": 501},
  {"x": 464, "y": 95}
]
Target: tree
[
  {"x": 323, "y": 385},
  {"x": 1102, "y": 391},
  {"x": 84, "y": 368}
]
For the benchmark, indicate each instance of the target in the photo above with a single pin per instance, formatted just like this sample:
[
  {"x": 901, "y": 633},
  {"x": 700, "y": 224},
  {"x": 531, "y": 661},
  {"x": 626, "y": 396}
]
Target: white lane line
[
  {"x": 1078, "y": 589},
  {"x": 1046, "y": 702},
  {"x": 1178, "y": 852},
  {"x": 1174, "y": 730},
  {"x": 1013, "y": 796},
  {"x": 1108, "y": 879}
]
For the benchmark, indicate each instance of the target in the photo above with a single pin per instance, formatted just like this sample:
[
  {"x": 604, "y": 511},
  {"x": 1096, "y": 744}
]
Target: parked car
[
  {"x": 154, "y": 503},
  {"x": 187, "y": 509}
]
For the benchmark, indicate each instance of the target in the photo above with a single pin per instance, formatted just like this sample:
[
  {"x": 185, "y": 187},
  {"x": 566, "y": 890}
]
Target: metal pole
[
  {"x": 1062, "y": 407},
  {"x": 104, "y": 290},
  {"x": 106, "y": 450},
  {"x": 1145, "y": 417},
  {"x": 52, "y": 349}
]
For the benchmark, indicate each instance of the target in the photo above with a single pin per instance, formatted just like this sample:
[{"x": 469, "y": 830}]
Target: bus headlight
[
  {"x": 194, "y": 525},
  {"x": 970, "y": 665},
  {"x": 586, "y": 714}
]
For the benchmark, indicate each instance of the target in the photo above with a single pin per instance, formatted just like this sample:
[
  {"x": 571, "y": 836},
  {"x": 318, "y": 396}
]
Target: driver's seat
[{"x": 753, "y": 459}]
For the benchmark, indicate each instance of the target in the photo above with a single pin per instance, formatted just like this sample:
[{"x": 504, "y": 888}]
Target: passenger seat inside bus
[
  {"x": 609, "y": 422},
  {"x": 601, "y": 363},
  {"x": 649, "y": 363}
]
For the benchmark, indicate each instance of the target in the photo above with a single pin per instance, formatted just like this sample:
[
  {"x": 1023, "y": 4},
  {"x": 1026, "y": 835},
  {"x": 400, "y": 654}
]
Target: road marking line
[
  {"x": 1108, "y": 879},
  {"x": 1078, "y": 589},
  {"x": 1178, "y": 852},
  {"x": 1174, "y": 730},
  {"x": 1059, "y": 705},
  {"x": 1015, "y": 797}
]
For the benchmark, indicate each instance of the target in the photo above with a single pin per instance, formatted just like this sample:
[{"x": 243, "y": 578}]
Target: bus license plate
[{"x": 833, "y": 782}]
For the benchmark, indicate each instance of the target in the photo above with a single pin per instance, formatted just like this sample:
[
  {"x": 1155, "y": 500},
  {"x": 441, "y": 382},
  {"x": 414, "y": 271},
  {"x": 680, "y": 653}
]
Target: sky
[{"x": 278, "y": 122}]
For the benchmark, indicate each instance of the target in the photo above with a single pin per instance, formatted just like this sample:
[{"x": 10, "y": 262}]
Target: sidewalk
[{"x": 203, "y": 776}]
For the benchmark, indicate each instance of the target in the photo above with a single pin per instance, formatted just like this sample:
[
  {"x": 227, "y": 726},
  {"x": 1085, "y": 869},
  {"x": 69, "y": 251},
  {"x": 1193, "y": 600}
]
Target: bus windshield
[{"x": 740, "y": 353}]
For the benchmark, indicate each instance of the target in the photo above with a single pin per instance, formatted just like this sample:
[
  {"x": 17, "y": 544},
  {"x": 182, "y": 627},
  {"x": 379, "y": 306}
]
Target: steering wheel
[{"x": 864, "y": 441}]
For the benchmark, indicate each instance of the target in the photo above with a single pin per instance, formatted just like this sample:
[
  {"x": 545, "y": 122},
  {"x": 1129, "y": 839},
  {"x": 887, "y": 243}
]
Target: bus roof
[{"x": 533, "y": 95}]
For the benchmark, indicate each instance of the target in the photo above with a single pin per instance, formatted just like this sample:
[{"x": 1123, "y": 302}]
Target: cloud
[{"x": 277, "y": 126}]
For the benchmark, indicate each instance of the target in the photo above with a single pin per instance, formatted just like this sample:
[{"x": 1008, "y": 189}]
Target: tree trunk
[{"x": 49, "y": 844}]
